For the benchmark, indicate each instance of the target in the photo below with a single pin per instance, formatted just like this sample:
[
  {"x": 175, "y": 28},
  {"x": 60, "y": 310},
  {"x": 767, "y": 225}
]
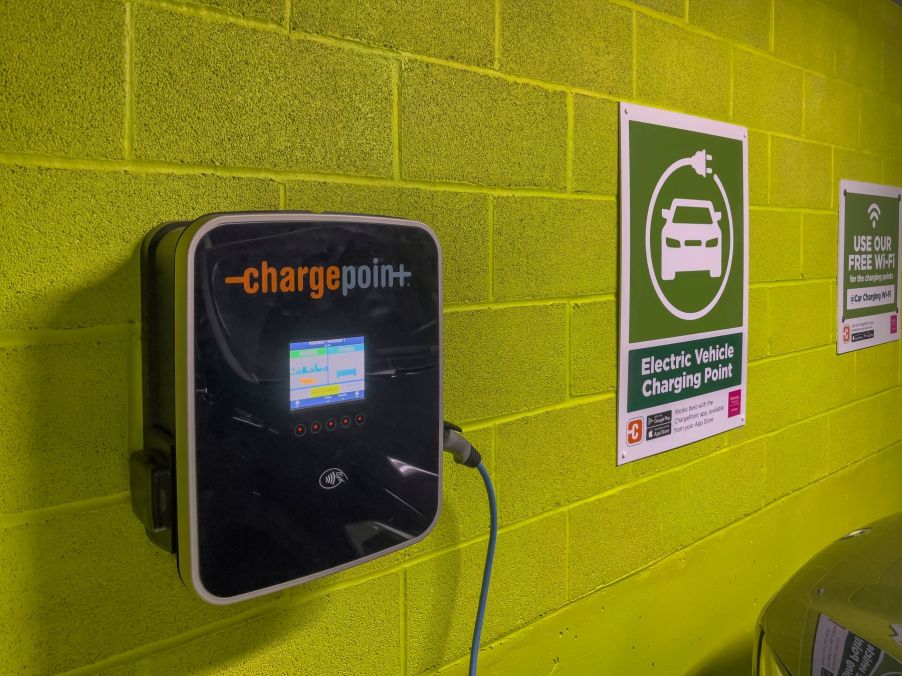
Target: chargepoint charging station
[
  {"x": 292, "y": 398},
  {"x": 293, "y": 395}
]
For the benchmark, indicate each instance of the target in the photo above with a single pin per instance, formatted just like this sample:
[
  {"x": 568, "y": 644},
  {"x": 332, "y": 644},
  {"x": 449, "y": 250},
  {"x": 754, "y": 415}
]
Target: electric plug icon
[{"x": 699, "y": 163}]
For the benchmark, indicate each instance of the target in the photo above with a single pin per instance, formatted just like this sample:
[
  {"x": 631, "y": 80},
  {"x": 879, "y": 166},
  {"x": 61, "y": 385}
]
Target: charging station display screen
[{"x": 327, "y": 371}]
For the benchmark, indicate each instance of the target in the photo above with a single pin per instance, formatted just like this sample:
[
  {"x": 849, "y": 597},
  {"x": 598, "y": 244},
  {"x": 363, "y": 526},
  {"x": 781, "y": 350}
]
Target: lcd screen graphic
[{"x": 326, "y": 371}]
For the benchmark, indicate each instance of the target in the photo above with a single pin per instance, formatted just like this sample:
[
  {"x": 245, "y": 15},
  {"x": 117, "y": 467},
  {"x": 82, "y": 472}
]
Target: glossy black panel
[{"x": 282, "y": 493}]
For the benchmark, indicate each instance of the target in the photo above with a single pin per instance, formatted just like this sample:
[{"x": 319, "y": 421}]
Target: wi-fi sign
[{"x": 874, "y": 214}]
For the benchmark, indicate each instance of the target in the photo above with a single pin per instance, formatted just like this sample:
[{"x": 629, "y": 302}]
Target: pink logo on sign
[
  {"x": 893, "y": 323},
  {"x": 734, "y": 403}
]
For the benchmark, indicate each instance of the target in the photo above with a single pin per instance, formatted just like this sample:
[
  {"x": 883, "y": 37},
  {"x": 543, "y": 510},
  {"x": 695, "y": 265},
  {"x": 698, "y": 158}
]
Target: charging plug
[
  {"x": 699, "y": 163},
  {"x": 464, "y": 454},
  {"x": 460, "y": 449}
]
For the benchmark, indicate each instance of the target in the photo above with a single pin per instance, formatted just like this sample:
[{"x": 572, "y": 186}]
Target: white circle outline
[{"x": 698, "y": 314}]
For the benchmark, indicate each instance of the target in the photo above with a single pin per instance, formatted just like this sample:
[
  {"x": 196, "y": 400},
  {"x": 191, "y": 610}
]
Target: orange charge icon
[
  {"x": 846, "y": 333},
  {"x": 634, "y": 431}
]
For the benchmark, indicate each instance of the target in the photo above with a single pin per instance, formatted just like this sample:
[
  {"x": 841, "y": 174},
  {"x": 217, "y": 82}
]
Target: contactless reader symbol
[
  {"x": 692, "y": 239},
  {"x": 332, "y": 478}
]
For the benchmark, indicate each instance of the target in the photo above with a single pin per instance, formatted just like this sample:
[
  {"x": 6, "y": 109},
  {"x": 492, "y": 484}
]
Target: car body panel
[{"x": 856, "y": 582}]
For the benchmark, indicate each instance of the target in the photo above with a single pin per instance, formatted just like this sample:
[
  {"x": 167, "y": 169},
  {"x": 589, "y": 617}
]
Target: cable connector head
[
  {"x": 460, "y": 449},
  {"x": 699, "y": 163}
]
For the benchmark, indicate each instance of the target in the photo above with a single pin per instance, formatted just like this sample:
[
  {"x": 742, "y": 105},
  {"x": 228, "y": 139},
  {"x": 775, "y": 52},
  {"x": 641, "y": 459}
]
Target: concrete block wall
[{"x": 494, "y": 121}]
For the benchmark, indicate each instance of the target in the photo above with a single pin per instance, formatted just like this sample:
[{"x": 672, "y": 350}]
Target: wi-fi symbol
[{"x": 873, "y": 214}]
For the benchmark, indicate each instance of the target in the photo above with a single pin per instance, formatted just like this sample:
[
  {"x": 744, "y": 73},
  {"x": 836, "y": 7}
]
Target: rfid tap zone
[{"x": 316, "y": 280}]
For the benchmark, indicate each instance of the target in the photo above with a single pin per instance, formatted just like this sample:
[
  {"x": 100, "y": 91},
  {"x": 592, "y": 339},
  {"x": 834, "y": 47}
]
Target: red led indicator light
[
  {"x": 345, "y": 421},
  {"x": 316, "y": 426},
  {"x": 330, "y": 424},
  {"x": 300, "y": 430},
  {"x": 359, "y": 419}
]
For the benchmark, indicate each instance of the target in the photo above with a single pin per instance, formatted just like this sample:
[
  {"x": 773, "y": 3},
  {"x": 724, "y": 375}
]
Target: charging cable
[{"x": 464, "y": 454}]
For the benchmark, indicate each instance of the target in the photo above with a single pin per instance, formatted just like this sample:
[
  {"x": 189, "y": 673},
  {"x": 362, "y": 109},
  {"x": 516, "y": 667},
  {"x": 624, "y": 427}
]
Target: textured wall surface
[{"x": 494, "y": 121}]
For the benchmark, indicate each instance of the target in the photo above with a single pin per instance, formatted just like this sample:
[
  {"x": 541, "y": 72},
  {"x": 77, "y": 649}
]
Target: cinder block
[
  {"x": 127, "y": 670},
  {"x": 892, "y": 171},
  {"x": 845, "y": 7},
  {"x": 878, "y": 16},
  {"x": 745, "y": 21},
  {"x": 805, "y": 33},
  {"x": 775, "y": 237},
  {"x": 800, "y": 316},
  {"x": 859, "y": 53},
  {"x": 459, "y": 30},
  {"x": 545, "y": 247},
  {"x": 820, "y": 233},
  {"x": 69, "y": 582},
  {"x": 854, "y": 166},
  {"x": 854, "y": 433},
  {"x": 63, "y": 78},
  {"x": 621, "y": 533},
  {"x": 674, "y": 7},
  {"x": 800, "y": 174},
  {"x": 796, "y": 457},
  {"x": 718, "y": 490},
  {"x": 876, "y": 369},
  {"x": 216, "y": 93},
  {"x": 679, "y": 456},
  {"x": 881, "y": 119},
  {"x": 70, "y": 257},
  {"x": 682, "y": 70},
  {"x": 580, "y": 42},
  {"x": 460, "y": 221},
  {"x": 831, "y": 111},
  {"x": 472, "y": 128},
  {"x": 325, "y": 635},
  {"x": 504, "y": 361},
  {"x": 877, "y": 473},
  {"x": 442, "y": 592},
  {"x": 64, "y": 416},
  {"x": 757, "y": 323},
  {"x": 593, "y": 347},
  {"x": 767, "y": 94},
  {"x": 890, "y": 430},
  {"x": 773, "y": 400},
  {"x": 759, "y": 168},
  {"x": 892, "y": 74},
  {"x": 272, "y": 11},
  {"x": 595, "y": 150},
  {"x": 574, "y": 447},
  {"x": 826, "y": 380}
]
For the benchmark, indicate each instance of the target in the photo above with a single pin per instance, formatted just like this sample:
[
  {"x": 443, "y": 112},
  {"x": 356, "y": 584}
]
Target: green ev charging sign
[
  {"x": 683, "y": 280},
  {"x": 868, "y": 278}
]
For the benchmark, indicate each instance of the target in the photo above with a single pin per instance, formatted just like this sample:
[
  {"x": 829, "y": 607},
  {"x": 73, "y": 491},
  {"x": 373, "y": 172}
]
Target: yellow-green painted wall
[{"x": 495, "y": 121}]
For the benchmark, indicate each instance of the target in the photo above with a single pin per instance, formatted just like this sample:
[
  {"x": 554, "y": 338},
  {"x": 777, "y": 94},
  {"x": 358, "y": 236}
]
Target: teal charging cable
[
  {"x": 487, "y": 572},
  {"x": 464, "y": 454}
]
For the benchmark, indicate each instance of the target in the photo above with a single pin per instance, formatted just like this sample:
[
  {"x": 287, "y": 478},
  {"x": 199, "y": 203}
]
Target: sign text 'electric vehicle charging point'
[
  {"x": 293, "y": 395},
  {"x": 683, "y": 280}
]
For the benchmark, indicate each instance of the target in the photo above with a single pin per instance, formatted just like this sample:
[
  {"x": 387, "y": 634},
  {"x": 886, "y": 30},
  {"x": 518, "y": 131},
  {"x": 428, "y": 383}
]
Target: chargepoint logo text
[{"x": 317, "y": 280}]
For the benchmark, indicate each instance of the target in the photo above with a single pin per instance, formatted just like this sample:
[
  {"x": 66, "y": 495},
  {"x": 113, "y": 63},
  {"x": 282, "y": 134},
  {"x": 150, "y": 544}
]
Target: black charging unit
[{"x": 292, "y": 395}]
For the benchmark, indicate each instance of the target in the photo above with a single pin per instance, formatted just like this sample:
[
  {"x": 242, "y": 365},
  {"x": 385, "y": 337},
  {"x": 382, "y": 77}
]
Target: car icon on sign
[{"x": 691, "y": 240}]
